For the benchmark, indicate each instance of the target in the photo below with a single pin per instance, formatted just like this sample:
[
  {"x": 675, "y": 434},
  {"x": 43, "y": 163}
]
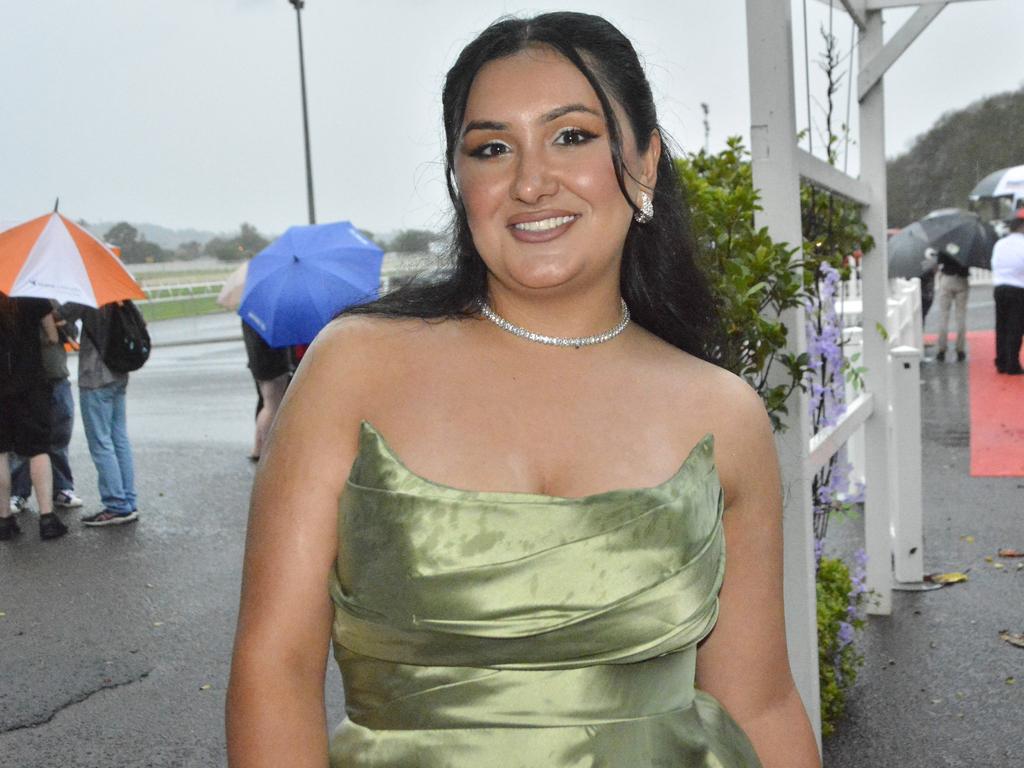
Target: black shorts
[
  {"x": 25, "y": 420},
  {"x": 265, "y": 362}
]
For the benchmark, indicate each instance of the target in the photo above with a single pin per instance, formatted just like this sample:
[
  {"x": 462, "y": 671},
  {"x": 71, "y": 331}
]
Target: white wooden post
[
  {"x": 905, "y": 442},
  {"x": 774, "y": 151},
  {"x": 853, "y": 345},
  {"x": 875, "y": 280}
]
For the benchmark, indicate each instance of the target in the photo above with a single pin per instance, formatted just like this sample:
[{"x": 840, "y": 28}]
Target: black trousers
[{"x": 1009, "y": 327}]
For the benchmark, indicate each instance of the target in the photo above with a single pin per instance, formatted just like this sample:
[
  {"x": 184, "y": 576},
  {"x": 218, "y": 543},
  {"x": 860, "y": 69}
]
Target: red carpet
[{"x": 997, "y": 412}]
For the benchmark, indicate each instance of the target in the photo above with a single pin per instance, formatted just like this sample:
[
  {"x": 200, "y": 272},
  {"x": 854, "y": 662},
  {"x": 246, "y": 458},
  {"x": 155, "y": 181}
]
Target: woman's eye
[
  {"x": 574, "y": 136},
  {"x": 490, "y": 149}
]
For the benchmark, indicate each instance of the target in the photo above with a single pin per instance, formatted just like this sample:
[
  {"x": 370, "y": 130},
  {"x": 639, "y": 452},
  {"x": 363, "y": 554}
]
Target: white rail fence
[
  {"x": 899, "y": 538},
  {"x": 157, "y": 294}
]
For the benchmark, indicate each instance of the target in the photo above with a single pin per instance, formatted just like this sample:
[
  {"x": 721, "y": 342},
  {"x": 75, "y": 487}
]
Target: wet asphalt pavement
[
  {"x": 934, "y": 690},
  {"x": 116, "y": 642}
]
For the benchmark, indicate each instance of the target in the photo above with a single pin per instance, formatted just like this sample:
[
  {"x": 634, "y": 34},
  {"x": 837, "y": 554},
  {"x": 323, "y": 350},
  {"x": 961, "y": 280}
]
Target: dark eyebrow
[
  {"x": 484, "y": 125},
  {"x": 554, "y": 114}
]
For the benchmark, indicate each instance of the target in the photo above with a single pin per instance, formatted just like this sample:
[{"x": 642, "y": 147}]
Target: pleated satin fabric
[{"x": 514, "y": 630}]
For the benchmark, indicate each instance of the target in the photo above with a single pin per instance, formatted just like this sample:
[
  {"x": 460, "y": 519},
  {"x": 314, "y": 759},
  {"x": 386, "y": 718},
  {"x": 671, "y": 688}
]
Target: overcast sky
[{"x": 186, "y": 113}]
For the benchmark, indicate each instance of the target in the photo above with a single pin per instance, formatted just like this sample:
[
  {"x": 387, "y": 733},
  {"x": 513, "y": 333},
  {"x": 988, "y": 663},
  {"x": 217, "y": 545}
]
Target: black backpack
[{"x": 127, "y": 348}]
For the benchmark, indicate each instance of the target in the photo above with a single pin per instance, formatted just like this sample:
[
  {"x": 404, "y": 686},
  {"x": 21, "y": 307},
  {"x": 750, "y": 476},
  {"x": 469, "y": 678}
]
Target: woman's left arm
[{"x": 744, "y": 662}]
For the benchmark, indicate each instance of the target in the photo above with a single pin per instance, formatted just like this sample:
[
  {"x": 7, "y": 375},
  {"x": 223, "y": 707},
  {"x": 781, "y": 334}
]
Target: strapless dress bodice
[{"x": 512, "y": 629}]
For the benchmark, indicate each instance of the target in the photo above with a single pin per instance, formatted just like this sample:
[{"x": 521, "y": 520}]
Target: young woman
[{"x": 508, "y": 496}]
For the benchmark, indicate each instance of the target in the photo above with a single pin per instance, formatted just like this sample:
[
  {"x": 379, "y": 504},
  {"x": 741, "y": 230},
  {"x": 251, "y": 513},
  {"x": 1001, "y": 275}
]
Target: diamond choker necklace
[{"x": 556, "y": 341}]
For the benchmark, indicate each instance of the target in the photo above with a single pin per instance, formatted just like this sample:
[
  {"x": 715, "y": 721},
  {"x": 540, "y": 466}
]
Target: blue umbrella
[{"x": 299, "y": 282}]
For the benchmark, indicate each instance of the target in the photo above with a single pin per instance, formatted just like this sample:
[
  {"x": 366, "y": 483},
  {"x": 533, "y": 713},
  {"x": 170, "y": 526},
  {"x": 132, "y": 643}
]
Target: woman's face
[{"x": 534, "y": 170}]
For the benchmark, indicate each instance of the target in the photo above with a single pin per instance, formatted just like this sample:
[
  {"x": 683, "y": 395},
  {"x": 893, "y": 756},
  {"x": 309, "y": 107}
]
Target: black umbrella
[
  {"x": 972, "y": 242},
  {"x": 910, "y": 254},
  {"x": 972, "y": 237}
]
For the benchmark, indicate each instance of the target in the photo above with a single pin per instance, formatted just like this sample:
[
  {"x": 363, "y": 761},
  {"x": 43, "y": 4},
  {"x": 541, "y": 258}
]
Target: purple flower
[{"x": 845, "y": 634}]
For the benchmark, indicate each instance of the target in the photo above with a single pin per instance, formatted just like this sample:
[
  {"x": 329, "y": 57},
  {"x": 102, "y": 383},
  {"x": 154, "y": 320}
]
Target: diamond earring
[{"x": 646, "y": 212}]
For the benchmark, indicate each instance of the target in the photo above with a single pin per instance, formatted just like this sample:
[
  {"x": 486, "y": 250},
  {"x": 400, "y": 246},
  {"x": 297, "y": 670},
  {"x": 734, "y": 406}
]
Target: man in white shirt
[{"x": 1008, "y": 282}]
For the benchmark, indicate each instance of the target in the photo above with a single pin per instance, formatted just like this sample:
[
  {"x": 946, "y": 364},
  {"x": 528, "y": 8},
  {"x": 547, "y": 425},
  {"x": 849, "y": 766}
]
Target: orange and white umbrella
[{"x": 53, "y": 258}]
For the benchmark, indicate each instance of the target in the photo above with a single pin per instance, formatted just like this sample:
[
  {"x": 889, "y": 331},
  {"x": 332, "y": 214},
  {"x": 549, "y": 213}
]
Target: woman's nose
[{"x": 535, "y": 178}]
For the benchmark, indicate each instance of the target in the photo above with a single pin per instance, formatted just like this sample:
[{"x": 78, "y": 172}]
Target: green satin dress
[{"x": 516, "y": 630}]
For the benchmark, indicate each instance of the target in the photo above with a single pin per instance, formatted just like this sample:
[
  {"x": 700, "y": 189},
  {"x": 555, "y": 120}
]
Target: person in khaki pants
[{"x": 953, "y": 291}]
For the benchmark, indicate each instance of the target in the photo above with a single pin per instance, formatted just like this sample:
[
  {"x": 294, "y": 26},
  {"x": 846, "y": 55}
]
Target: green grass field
[
  {"x": 168, "y": 310},
  {"x": 193, "y": 301}
]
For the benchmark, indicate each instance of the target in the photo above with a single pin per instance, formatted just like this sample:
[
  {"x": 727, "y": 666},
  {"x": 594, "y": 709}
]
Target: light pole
[{"x": 305, "y": 117}]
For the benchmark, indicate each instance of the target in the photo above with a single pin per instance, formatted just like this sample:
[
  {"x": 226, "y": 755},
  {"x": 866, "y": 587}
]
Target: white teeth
[{"x": 544, "y": 224}]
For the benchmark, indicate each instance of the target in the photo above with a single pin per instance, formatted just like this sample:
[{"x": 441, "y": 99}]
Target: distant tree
[
  {"x": 123, "y": 235},
  {"x": 188, "y": 251},
  {"x": 248, "y": 242},
  {"x": 135, "y": 249},
  {"x": 146, "y": 252},
  {"x": 413, "y": 241},
  {"x": 944, "y": 164}
]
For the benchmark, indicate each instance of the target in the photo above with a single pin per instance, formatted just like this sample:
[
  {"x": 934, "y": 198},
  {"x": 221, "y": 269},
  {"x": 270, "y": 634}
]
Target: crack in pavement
[{"x": 78, "y": 699}]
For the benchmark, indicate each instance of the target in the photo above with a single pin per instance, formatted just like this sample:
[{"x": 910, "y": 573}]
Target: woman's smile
[{"x": 541, "y": 227}]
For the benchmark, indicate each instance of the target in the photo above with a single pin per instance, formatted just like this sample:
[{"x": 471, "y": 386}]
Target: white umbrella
[
  {"x": 230, "y": 296},
  {"x": 1008, "y": 182}
]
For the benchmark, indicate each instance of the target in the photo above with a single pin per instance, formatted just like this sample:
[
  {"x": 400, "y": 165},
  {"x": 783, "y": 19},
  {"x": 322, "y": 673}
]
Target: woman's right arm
[{"x": 275, "y": 701}]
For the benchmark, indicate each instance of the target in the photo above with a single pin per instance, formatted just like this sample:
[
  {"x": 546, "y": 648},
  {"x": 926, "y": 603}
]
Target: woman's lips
[{"x": 539, "y": 230}]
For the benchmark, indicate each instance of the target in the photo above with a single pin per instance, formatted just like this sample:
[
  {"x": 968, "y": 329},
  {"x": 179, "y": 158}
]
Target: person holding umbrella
[
  {"x": 62, "y": 420},
  {"x": 52, "y": 257},
  {"x": 1008, "y": 290},
  {"x": 25, "y": 395},
  {"x": 507, "y": 495},
  {"x": 953, "y": 291}
]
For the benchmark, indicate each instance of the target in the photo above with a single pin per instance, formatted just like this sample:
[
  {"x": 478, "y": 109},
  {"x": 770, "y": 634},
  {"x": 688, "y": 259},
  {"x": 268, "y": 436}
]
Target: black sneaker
[
  {"x": 51, "y": 527},
  {"x": 110, "y": 517},
  {"x": 8, "y": 528}
]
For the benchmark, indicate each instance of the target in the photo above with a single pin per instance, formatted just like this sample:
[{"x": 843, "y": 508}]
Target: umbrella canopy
[
  {"x": 1007, "y": 181},
  {"x": 54, "y": 258},
  {"x": 972, "y": 242},
  {"x": 910, "y": 254},
  {"x": 230, "y": 296},
  {"x": 299, "y": 282}
]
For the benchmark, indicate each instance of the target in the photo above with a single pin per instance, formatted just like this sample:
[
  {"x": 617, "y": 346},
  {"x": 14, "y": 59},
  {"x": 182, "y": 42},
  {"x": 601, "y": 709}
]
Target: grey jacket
[{"x": 92, "y": 373}]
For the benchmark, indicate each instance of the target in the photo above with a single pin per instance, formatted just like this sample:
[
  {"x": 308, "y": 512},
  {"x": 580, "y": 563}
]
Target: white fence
[
  {"x": 899, "y": 538},
  {"x": 182, "y": 291}
]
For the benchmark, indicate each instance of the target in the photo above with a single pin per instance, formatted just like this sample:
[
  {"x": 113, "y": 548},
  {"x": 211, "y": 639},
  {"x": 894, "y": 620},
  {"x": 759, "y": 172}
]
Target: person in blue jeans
[
  {"x": 62, "y": 421},
  {"x": 101, "y": 397}
]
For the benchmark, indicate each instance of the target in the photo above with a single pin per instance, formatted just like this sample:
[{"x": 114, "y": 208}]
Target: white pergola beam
[
  {"x": 878, "y": 461},
  {"x": 856, "y": 9},
  {"x": 881, "y": 5},
  {"x": 873, "y": 69},
  {"x": 774, "y": 166},
  {"x": 821, "y": 174}
]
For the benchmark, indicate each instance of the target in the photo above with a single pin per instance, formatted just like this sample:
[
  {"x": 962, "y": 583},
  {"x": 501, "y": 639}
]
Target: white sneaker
[
  {"x": 66, "y": 499},
  {"x": 18, "y": 504}
]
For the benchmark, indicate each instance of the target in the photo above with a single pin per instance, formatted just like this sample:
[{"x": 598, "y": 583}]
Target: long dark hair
[{"x": 659, "y": 279}]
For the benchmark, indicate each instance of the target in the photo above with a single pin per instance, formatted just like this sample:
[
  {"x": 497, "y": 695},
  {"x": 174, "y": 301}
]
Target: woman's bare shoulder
[
  {"x": 710, "y": 399},
  {"x": 361, "y": 345},
  {"x": 709, "y": 391}
]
